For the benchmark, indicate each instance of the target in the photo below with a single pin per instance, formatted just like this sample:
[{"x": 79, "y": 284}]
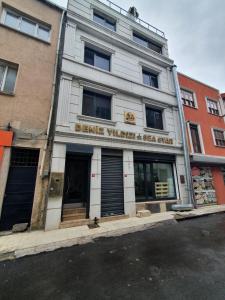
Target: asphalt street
[{"x": 181, "y": 261}]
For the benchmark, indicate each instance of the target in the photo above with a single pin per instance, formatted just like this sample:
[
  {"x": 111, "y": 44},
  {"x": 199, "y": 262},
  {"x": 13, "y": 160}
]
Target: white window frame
[
  {"x": 20, "y": 18},
  {"x": 214, "y": 138},
  {"x": 218, "y": 106},
  {"x": 2, "y": 84},
  {"x": 194, "y": 97},
  {"x": 200, "y": 138}
]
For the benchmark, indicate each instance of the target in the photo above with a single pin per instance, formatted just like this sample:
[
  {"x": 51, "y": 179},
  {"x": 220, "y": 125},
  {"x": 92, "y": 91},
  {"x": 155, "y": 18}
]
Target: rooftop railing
[{"x": 136, "y": 20}]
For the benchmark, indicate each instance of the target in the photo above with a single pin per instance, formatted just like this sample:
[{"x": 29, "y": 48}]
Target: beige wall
[
  {"x": 36, "y": 59},
  {"x": 28, "y": 110}
]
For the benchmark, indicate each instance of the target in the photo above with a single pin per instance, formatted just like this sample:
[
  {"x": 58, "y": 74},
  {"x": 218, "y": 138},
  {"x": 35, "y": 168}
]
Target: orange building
[{"x": 204, "y": 115}]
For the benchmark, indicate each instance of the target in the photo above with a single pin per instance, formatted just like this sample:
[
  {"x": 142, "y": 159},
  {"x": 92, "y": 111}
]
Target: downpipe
[{"x": 191, "y": 202}]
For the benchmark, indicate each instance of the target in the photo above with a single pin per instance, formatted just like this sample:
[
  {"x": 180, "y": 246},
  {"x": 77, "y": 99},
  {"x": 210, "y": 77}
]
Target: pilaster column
[
  {"x": 128, "y": 181},
  {"x": 95, "y": 184}
]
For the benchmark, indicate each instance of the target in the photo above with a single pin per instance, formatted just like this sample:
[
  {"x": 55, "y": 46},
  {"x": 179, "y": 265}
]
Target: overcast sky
[{"x": 195, "y": 30}]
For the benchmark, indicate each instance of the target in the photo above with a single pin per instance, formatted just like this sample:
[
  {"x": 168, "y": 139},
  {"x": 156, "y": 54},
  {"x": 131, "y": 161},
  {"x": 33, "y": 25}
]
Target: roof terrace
[{"x": 125, "y": 13}]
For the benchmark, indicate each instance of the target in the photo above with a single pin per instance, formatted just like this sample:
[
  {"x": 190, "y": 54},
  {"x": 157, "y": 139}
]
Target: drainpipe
[
  {"x": 53, "y": 95},
  {"x": 184, "y": 138}
]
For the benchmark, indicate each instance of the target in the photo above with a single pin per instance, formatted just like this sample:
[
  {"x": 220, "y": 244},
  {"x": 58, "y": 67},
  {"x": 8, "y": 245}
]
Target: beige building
[{"x": 29, "y": 40}]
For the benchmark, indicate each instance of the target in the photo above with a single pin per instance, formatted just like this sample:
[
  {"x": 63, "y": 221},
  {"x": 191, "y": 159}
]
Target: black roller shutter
[{"x": 112, "y": 193}]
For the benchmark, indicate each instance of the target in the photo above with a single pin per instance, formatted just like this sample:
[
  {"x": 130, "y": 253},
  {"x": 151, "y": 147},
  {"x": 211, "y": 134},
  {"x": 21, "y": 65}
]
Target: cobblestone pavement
[{"x": 181, "y": 261}]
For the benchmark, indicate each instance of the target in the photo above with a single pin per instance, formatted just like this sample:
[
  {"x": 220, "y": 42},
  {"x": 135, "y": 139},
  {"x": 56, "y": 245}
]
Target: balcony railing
[{"x": 136, "y": 20}]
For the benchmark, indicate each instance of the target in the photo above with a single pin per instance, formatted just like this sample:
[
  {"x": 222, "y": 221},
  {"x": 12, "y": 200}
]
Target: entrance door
[
  {"x": 19, "y": 193},
  {"x": 76, "y": 186},
  {"x": 112, "y": 192},
  {"x": 143, "y": 181}
]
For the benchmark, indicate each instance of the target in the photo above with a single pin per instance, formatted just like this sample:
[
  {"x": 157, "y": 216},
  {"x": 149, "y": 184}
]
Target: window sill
[
  {"x": 220, "y": 146},
  {"x": 7, "y": 94},
  {"x": 25, "y": 34},
  {"x": 190, "y": 106},
  {"x": 97, "y": 68},
  {"x": 96, "y": 120},
  {"x": 154, "y": 130}
]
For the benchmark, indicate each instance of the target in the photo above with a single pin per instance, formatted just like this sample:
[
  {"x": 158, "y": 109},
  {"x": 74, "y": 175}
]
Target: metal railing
[{"x": 136, "y": 20}]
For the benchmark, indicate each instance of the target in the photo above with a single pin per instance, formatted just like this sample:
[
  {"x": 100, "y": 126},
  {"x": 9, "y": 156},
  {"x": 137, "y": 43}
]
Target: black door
[
  {"x": 19, "y": 193},
  {"x": 112, "y": 193},
  {"x": 76, "y": 186}
]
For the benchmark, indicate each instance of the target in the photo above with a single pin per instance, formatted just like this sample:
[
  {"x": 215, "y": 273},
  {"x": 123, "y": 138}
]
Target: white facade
[{"x": 124, "y": 83}]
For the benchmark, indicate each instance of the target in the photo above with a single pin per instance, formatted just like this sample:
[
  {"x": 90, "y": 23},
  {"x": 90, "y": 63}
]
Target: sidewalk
[{"x": 27, "y": 243}]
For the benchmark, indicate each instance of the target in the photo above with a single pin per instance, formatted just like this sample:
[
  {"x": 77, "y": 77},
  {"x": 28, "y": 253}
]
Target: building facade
[
  {"x": 117, "y": 146},
  {"x": 204, "y": 114},
  {"x": 29, "y": 33}
]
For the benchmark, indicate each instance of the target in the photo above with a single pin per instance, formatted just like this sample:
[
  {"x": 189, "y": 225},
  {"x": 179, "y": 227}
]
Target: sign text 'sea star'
[{"x": 122, "y": 134}]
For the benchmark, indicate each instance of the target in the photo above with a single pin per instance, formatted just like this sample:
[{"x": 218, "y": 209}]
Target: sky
[{"x": 195, "y": 30}]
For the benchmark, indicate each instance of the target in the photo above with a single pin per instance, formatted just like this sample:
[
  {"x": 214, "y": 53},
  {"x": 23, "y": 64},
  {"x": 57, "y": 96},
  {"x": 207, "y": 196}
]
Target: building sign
[
  {"x": 130, "y": 118},
  {"x": 98, "y": 130}
]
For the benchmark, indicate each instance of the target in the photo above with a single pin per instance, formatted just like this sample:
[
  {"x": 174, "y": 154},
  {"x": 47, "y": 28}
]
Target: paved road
[{"x": 181, "y": 261}]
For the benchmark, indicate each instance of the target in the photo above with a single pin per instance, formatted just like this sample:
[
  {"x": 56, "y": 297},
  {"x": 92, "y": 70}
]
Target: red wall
[
  {"x": 201, "y": 115},
  {"x": 5, "y": 141}
]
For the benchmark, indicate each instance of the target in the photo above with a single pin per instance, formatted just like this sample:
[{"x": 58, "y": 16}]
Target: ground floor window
[{"x": 154, "y": 181}]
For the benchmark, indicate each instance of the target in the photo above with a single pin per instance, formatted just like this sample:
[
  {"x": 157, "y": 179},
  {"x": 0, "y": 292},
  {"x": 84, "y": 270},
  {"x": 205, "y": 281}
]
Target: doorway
[
  {"x": 19, "y": 193},
  {"x": 76, "y": 188}
]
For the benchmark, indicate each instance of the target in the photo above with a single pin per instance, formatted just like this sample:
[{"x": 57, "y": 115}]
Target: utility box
[{"x": 56, "y": 184}]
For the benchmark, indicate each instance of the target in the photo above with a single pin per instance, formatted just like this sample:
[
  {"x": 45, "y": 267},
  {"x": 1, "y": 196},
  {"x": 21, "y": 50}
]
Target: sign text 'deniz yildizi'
[{"x": 122, "y": 134}]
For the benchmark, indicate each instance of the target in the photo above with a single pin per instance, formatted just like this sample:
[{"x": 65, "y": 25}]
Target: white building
[{"x": 117, "y": 144}]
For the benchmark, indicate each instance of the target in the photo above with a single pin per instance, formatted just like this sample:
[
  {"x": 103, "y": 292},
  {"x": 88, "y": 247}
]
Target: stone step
[
  {"x": 69, "y": 211},
  {"x": 74, "y": 223},
  {"x": 113, "y": 218},
  {"x": 143, "y": 213},
  {"x": 75, "y": 216},
  {"x": 140, "y": 206}
]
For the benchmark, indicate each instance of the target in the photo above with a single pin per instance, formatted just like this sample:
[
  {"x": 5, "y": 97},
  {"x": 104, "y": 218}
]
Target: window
[
  {"x": 28, "y": 26},
  {"x": 146, "y": 43},
  {"x": 153, "y": 181},
  {"x": 187, "y": 98},
  {"x": 223, "y": 173},
  {"x": 195, "y": 138},
  {"x": 219, "y": 137},
  {"x": 97, "y": 59},
  {"x": 96, "y": 105},
  {"x": 213, "y": 107},
  {"x": 8, "y": 75},
  {"x": 150, "y": 79},
  {"x": 104, "y": 20},
  {"x": 154, "y": 118}
]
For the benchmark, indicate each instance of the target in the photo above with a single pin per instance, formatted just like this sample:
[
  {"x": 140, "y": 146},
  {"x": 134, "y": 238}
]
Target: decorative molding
[
  {"x": 98, "y": 45},
  {"x": 155, "y": 103},
  {"x": 154, "y": 130},
  {"x": 150, "y": 67},
  {"x": 97, "y": 87},
  {"x": 96, "y": 120}
]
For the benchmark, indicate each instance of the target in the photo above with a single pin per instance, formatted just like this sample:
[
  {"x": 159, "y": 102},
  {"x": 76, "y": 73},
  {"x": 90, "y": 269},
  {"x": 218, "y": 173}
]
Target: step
[
  {"x": 113, "y": 218},
  {"x": 69, "y": 211},
  {"x": 143, "y": 213},
  {"x": 74, "y": 223},
  {"x": 140, "y": 206},
  {"x": 74, "y": 217}
]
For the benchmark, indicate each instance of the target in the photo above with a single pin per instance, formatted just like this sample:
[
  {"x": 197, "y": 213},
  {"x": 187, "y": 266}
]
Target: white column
[
  {"x": 128, "y": 181},
  {"x": 64, "y": 101},
  {"x": 54, "y": 206},
  {"x": 95, "y": 184},
  {"x": 182, "y": 186}
]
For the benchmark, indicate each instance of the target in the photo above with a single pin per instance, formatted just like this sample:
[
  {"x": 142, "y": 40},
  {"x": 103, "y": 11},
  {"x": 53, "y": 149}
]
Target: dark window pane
[
  {"x": 195, "y": 138},
  {"x": 154, "y": 118},
  {"x": 89, "y": 56},
  {"x": 97, "y": 59},
  {"x": 99, "y": 19},
  {"x": 150, "y": 79},
  {"x": 96, "y": 105},
  {"x": 103, "y": 20},
  {"x": 102, "y": 61},
  {"x": 10, "y": 80},
  {"x": 146, "y": 43}
]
